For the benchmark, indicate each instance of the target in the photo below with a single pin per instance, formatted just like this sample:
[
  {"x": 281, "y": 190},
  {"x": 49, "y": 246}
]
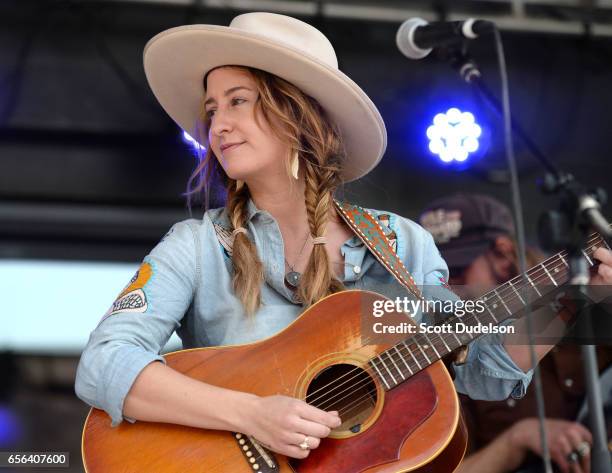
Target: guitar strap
[{"x": 370, "y": 232}]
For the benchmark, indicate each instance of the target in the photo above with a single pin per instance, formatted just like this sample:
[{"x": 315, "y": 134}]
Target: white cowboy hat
[{"x": 176, "y": 61}]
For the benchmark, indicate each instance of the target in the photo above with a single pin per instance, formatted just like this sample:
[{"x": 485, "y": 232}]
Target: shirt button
[
  {"x": 356, "y": 269},
  {"x": 511, "y": 402},
  {"x": 569, "y": 382}
]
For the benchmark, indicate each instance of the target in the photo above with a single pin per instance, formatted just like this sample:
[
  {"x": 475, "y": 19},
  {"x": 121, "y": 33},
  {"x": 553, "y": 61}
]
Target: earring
[
  {"x": 239, "y": 184},
  {"x": 295, "y": 165}
]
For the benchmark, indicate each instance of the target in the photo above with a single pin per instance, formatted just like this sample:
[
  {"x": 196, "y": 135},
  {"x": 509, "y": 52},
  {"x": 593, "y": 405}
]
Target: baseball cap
[{"x": 464, "y": 225}]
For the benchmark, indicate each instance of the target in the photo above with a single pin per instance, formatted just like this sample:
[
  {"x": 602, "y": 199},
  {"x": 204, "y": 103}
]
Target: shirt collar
[
  {"x": 252, "y": 210},
  {"x": 354, "y": 242},
  {"x": 263, "y": 216}
]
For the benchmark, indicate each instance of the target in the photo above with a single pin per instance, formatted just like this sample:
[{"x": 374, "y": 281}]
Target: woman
[{"x": 284, "y": 129}]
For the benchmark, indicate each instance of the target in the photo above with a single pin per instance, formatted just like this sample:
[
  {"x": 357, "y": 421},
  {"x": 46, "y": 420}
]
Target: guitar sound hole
[{"x": 346, "y": 389}]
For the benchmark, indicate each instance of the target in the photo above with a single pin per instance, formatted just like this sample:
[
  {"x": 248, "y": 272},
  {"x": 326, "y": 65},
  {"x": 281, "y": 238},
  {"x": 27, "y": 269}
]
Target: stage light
[
  {"x": 10, "y": 427},
  {"x": 188, "y": 139},
  {"x": 453, "y": 136}
]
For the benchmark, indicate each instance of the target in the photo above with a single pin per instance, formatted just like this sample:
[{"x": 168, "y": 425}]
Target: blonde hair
[{"x": 305, "y": 126}]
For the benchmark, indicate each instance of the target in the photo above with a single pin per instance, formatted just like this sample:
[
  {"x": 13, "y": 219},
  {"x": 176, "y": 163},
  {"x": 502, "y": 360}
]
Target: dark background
[{"x": 91, "y": 168}]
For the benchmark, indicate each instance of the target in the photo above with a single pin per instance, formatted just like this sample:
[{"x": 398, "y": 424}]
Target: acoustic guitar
[{"x": 396, "y": 399}]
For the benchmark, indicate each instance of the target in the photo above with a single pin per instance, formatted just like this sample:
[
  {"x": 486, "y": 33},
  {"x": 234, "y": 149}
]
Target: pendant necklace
[{"x": 292, "y": 278}]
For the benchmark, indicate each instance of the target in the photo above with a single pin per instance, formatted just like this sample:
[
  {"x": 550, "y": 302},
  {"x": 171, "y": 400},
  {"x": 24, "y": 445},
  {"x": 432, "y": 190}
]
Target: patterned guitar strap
[{"x": 369, "y": 230}]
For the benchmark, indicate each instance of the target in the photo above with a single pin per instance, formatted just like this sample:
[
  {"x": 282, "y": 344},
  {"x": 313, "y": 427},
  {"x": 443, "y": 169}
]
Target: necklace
[{"x": 292, "y": 278}]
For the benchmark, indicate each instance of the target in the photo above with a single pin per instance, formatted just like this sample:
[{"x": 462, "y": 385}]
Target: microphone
[{"x": 416, "y": 37}]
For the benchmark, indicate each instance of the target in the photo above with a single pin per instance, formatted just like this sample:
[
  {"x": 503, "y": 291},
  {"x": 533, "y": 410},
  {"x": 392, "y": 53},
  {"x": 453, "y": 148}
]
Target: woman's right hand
[{"x": 282, "y": 423}]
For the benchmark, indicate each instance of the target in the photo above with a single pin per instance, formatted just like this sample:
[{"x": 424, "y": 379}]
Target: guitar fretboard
[{"x": 412, "y": 355}]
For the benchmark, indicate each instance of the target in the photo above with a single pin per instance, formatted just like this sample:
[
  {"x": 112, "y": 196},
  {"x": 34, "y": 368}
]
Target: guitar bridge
[{"x": 258, "y": 458}]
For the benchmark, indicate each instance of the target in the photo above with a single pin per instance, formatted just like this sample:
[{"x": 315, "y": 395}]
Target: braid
[
  {"x": 318, "y": 279},
  {"x": 248, "y": 269}
]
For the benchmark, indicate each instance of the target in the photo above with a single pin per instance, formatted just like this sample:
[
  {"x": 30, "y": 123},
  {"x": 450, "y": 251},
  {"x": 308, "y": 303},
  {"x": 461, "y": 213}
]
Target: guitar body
[{"x": 415, "y": 426}]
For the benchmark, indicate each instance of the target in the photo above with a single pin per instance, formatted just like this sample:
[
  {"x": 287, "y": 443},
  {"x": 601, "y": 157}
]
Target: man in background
[{"x": 475, "y": 235}]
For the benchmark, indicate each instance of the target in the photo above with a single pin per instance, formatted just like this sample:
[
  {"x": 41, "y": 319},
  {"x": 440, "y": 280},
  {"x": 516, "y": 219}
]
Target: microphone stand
[{"x": 566, "y": 228}]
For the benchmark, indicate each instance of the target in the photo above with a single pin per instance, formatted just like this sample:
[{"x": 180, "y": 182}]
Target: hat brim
[{"x": 176, "y": 61}]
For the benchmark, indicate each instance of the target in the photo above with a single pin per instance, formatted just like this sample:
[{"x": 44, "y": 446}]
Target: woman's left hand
[
  {"x": 604, "y": 271},
  {"x": 600, "y": 285}
]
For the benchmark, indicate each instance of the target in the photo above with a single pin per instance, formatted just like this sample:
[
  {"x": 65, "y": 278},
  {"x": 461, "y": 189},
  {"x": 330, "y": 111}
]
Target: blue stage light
[
  {"x": 453, "y": 136},
  {"x": 10, "y": 428},
  {"x": 188, "y": 139}
]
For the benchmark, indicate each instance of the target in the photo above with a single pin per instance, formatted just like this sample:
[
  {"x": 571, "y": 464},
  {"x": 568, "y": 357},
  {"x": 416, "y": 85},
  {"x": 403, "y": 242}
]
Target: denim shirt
[{"x": 185, "y": 284}]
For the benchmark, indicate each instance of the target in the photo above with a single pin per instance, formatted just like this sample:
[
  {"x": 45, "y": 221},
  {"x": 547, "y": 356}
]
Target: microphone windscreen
[{"x": 405, "y": 39}]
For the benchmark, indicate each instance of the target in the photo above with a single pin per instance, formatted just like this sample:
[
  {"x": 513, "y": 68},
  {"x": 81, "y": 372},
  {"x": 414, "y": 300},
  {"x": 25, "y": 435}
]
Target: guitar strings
[
  {"x": 361, "y": 399},
  {"x": 437, "y": 338},
  {"x": 333, "y": 400},
  {"x": 537, "y": 279}
]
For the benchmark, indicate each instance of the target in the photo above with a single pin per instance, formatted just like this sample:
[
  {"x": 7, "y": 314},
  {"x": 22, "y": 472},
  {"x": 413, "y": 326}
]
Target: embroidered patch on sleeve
[{"x": 133, "y": 298}]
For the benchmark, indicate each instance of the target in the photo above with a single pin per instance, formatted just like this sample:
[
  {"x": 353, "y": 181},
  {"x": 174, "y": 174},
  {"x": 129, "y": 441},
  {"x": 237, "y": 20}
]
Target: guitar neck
[{"x": 403, "y": 360}]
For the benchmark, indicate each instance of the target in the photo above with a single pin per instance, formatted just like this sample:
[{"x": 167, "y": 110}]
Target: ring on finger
[
  {"x": 573, "y": 457},
  {"x": 304, "y": 445},
  {"x": 583, "y": 449}
]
